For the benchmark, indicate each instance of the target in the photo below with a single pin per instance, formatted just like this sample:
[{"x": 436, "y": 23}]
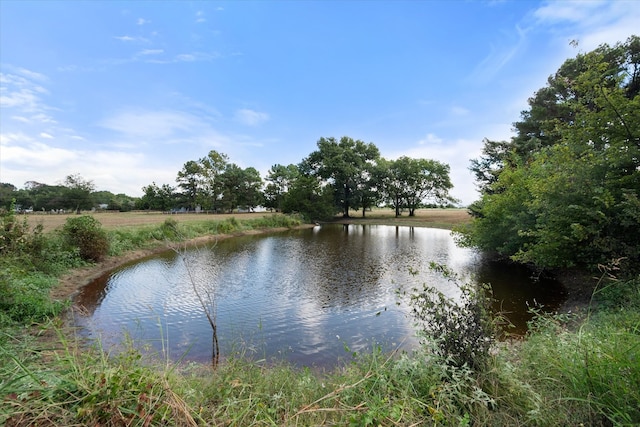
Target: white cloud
[
  {"x": 22, "y": 93},
  {"x": 26, "y": 159},
  {"x": 153, "y": 125},
  {"x": 124, "y": 38},
  {"x": 18, "y": 149},
  {"x": 142, "y": 21},
  {"x": 196, "y": 56},
  {"x": 32, "y": 74},
  {"x": 251, "y": 117},
  {"x": 200, "y": 17},
  {"x": 502, "y": 52},
  {"x": 45, "y": 135},
  {"x": 430, "y": 139},
  {"x": 590, "y": 22},
  {"x": 151, "y": 52},
  {"x": 130, "y": 39}
]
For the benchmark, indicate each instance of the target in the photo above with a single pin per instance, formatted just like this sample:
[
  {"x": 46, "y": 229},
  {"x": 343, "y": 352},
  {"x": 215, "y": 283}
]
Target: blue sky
[{"x": 124, "y": 93}]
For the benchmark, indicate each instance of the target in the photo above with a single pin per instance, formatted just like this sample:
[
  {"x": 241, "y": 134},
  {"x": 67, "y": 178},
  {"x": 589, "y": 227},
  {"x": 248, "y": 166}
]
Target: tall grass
[{"x": 170, "y": 230}]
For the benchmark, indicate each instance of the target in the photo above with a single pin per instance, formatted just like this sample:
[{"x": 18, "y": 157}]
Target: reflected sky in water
[{"x": 304, "y": 295}]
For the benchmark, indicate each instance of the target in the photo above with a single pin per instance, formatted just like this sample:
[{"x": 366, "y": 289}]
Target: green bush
[
  {"x": 463, "y": 331},
  {"x": 85, "y": 232}
]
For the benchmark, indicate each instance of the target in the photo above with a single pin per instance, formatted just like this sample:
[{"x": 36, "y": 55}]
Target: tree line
[
  {"x": 564, "y": 190},
  {"x": 340, "y": 176},
  {"x": 75, "y": 193}
]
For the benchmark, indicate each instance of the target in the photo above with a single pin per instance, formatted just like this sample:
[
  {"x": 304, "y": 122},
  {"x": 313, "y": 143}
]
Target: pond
[{"x": 313, "y": 296}]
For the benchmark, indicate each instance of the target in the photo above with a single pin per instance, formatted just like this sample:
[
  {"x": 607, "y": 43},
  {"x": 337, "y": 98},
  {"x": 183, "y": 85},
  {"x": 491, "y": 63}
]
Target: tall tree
[
  {"x": 342, "y": 163},
  {"x": 213, "y": 166},
  {"x": 568, "y": 192},
  {"x": 250, "y": 191},
  {"x": 279, "y": 180},
  {"x": 7, "y": 194},
  {"x": 190, "y": 181},
  {"x": 78, "y": 191},
  {"x": 157, "y": 198},
  {"x": 410, "y": 183},
  {"x": 308, "y": 197}
]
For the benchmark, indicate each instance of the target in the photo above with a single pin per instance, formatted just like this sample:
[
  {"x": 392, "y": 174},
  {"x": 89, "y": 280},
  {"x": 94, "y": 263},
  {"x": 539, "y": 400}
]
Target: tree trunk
[{"x": 345, "y": 214}]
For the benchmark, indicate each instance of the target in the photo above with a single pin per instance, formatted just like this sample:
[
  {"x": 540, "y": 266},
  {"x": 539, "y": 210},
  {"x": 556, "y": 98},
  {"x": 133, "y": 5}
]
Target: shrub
[
  {"x": 463, "y": 331},
  {"x": 85, "y": 232}
]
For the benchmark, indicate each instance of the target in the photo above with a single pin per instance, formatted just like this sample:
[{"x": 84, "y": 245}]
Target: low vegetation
[{"x": 570, "y": 370}]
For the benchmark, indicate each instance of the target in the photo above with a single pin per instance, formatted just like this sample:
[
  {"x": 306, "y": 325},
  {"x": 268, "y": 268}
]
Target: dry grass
[
  {"x": 436, "y": 218},
  {"x": 440, "y": 218},
  {"x": 115, "y": 220}
]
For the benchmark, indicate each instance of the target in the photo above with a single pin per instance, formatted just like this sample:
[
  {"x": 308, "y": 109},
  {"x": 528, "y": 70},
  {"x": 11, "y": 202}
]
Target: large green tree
[
  {"x": 161, "y": 198},
  {"x": 308, "y": 197},
  {"x": 190, "y": 179},
  {"x": 565, "y": 190},
  {"x": 410, "y": 183},
  {"x": 213, "y": 167},
  {"x": 342, "y": 164},
  {"x": 77, "y": 194},
  {"x": 7, "y": 194},
  {"x": 279, "y": 180}
]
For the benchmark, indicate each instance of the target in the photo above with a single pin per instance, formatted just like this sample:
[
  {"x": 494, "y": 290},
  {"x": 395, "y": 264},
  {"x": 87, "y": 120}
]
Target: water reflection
[{"x": 304, "y": 295}]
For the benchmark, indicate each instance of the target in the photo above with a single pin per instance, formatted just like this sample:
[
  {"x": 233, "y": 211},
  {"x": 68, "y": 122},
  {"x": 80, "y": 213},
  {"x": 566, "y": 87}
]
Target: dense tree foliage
[
  {"x": 565, "y": 190},
  {"x": 410, "y": 183},
  {"x": 279, "y": 180},
  {"x": 345, "y": 164}
]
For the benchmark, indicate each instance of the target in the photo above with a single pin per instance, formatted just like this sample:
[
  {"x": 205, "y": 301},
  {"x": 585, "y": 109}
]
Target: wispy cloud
[
  {"x": 28, "y": 159},
  {"x": 459, "y": 111},
  {"x": 22, "y": 93},
  {"x": 151, "y": 125},
  {"x": 130, "y": 39},
  {"x": 251, "y": 117},
  {"x": 196, "y": 56},
  {"x": 502, "y": 52},
  {"x": 430, "y": 139},
  {"x": 142, "y": 21},
  {"x": 590, "y": 22},
  {"x": 200, "y": 17},
  {"x": 19, "y": 149},
  {"x": 150, "y": 52}
]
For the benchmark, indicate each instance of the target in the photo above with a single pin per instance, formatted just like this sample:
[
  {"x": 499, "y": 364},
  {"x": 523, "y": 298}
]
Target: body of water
[{"x": 311, "y": 296}]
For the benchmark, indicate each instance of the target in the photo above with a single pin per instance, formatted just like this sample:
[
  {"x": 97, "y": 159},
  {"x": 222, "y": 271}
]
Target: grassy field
[
  {"x": 117, "y": 220},
  {"x": 438, "y": 218}
]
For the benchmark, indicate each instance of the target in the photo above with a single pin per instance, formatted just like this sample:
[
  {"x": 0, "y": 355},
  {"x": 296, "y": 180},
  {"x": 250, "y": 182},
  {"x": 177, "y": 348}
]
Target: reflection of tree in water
[
  {"x": 516, "y": 289},
  {"x": 342, "y": 269}
]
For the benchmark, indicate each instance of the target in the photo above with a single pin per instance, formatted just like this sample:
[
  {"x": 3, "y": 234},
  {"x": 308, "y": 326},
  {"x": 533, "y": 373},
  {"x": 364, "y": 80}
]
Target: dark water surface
[{"x": 310, "y": 296}]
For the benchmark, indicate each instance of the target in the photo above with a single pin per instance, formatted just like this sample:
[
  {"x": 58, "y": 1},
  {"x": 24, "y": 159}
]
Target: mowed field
[{"x": 442, "y": 218}]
